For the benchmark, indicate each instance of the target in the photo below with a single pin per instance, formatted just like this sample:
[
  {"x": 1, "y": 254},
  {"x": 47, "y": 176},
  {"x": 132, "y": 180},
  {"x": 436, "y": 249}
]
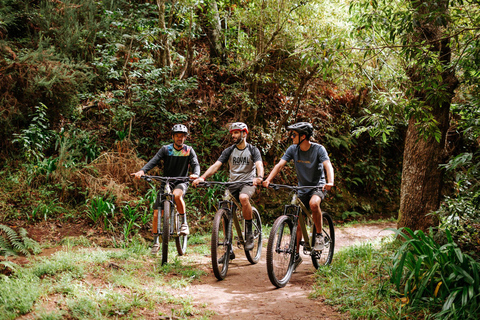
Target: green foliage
[
  {"x": 13, "y": 243},
  {"x": 99, "y": 209},
  {"x": 436, "y": 276},
  {"x": 34, "y": 140}
]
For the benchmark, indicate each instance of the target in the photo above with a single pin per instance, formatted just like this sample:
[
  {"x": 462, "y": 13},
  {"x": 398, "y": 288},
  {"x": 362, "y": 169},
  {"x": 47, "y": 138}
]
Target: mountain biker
[
  {"x": 310, "y": 159},
  {"x": 246, "y": 165},
  {"x": 177, "y": 158}
]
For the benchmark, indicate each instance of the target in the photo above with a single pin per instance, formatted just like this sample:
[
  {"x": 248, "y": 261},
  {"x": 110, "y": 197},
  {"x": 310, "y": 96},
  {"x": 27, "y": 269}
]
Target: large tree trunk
[
  {"x": 422, "y": 179},
  {"x": 211, "y": 23},
  {"x": 163, "y": 59}
]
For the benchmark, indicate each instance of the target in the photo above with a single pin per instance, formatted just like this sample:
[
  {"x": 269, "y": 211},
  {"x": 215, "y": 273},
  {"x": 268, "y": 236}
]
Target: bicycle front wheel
[
  {"x": 280, "y": 251},
  {"x": 325, "y": 256},
  {"x": 253, "y": 255},
  {"x": 165, "y": 231},
  {"x": 181, "y": 240},
  {"x": 221, "y": 244}
]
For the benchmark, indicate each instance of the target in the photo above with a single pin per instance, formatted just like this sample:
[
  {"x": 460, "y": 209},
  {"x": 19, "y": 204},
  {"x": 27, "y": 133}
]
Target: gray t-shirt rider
[
  {"x": 308, "y": 164},
  {"x": 241, "y": 162}
]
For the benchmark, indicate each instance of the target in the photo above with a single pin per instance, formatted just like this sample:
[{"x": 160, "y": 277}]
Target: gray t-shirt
[
  {"x": 308, "y": 164},
  {"x": 241, "y": 162}
]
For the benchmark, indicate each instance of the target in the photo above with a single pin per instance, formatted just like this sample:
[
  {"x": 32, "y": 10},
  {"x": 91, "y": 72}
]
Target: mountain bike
[
  {"x": 229, "y": 213},
  {"x": 168, "y": 225},
  {"x": 282, "y": 242}
]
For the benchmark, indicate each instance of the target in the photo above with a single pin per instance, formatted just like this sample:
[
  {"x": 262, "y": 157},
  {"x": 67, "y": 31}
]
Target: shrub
[{"x": 437, "y": 276}]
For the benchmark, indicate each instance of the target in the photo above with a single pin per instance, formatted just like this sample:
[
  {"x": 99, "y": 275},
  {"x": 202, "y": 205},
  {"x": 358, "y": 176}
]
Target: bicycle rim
[
  {"x": 325, "y": 256},
  {"x": 220, "y": 245},
  {"x": 254, "y": 255},
  {"x": 180, "y": 240},
  {"x": 165, "y": 231},
  {"x": 281, "y": 252}
]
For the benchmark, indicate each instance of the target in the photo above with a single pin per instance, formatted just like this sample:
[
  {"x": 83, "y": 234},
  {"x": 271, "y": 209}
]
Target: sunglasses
[{"x": 293, "y": 135}]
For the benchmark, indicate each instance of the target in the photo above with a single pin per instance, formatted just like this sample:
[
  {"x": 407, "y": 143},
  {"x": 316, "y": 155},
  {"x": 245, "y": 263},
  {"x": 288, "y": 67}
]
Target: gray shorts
[
  {"x": 305, "y": 198},
  {"x": 245, "y": 189}
]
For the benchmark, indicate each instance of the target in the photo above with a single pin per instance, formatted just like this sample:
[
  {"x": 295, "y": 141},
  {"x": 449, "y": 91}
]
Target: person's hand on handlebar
[
  {"x": 328, "y": 186},
  {"x": 265, "y": 183},
  {"x": 197, "y": 181},
  {"x": 138, "y": 174},
  {"x": 257, "y": 181}
]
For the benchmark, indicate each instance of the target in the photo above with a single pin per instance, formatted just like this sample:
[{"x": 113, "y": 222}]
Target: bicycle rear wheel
[
  {"x": 221, "y": 244},
  {"x": 280, "y": 251},
  {"x": 325, "y": 256},
  {"x": 165, "y": 231},
  {"x": 181, "y": 240},
  {"x": 253, "y": 255}
]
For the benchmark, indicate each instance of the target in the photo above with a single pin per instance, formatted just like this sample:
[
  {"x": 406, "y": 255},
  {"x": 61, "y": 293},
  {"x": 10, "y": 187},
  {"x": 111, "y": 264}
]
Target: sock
[
  {"x": 248, "y": 226},
  {"x": 183, "y": 218}
]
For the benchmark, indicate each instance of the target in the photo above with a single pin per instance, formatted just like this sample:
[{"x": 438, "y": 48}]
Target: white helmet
[
  {"x": 238, "y": 126},
  {"x": 179, "y": 128}
]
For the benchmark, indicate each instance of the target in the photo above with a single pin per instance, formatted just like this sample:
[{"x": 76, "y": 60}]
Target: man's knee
[
  {"x": 315, "y": 202},
  {"x": 244, "y": 198}
]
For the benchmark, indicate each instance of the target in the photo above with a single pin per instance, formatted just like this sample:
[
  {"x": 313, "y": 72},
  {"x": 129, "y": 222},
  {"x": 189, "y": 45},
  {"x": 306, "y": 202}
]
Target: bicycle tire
[
  {"x": 221, "y": 244},
  {"x": 326, "y": 255},
  {"x": 181, "y": 240},
  {"x": 253, "y": 256},
  {"x": 165, "y": 231},
  {"x": 281, "y": 251}
]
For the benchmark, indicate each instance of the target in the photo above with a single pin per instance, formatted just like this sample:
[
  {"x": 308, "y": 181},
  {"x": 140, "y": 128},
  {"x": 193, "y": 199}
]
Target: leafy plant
[
  {"x": 43, "y": 210},
  {"x": 13, "y": 243},
  {"x": 438, "y": 276},
  {"x": 35, "y": 139},
  {"x": 100, "y": 208}
]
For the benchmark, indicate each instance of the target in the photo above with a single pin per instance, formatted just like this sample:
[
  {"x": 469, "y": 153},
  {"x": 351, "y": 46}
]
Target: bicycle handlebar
[
  {"x": 165, "y": 179},
  {"x": 209, "y": 183},
  {"x": 295, "y": 188}
]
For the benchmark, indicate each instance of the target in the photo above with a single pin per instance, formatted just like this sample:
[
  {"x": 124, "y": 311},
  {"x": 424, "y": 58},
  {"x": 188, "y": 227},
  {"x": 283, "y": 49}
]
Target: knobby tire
[
  {"x": 281, "y": 251},
  {"x": 181, "y": 240},
  {"x": 165, "y": 231},
  {"x": 221, "y": 243},
  {"x": 326, "y": 255},
  {"x": 254, "y": 255}
]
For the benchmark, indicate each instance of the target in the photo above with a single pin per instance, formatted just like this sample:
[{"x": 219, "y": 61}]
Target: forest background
[{"x": 89, "y": 91}]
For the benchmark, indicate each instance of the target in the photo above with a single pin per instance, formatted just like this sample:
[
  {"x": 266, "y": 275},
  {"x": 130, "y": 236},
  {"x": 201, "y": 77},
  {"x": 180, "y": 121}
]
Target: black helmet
[
  {"x": 179, "y": 128},
  {"x": 302, "y": 128}
]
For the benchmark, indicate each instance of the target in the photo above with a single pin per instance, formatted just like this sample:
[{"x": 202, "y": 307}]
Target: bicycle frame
[
  {"x": 167, "y": 195},
  {"x": 230, "y": 202}
]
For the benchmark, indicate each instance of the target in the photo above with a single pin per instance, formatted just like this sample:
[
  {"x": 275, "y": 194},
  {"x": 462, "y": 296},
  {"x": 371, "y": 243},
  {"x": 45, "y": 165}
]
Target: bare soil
[{"x": 246, "y": 292}]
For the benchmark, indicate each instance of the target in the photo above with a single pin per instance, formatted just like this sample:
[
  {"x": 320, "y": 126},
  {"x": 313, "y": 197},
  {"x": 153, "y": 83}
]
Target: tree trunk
[
  {"x": 210, "y": 20},
  {"x": 422, "y": 179},
  {"x": 163, "y": 59}
]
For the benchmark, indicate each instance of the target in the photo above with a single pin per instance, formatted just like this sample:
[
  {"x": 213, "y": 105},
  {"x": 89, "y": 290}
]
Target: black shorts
[
  {"x": 179, "y": 185},
  {"x": 305, "y": 198}
]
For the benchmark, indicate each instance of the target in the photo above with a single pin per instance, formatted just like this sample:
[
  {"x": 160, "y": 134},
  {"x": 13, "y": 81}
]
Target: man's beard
[{"x": 178, "y": 145}]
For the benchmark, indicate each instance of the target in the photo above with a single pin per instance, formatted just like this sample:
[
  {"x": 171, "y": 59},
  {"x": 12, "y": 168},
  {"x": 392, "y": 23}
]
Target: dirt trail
[{"x": 246, "y": 292}]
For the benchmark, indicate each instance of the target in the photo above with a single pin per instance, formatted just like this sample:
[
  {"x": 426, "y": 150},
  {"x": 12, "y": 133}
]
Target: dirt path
[{"x": 246, "y": 292}]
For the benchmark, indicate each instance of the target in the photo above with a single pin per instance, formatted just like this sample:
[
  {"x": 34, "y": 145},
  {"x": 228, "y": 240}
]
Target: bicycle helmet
[
  {"x": 238, "y": 126},
  {"x": 302, "y": 128},
  {"x": 179, "y": 128}
]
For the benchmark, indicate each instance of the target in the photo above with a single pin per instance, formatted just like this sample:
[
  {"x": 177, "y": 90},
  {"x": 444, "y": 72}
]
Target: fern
[
  {"x": 11, "y": 243},
  {"x": 8, "y": 265}
]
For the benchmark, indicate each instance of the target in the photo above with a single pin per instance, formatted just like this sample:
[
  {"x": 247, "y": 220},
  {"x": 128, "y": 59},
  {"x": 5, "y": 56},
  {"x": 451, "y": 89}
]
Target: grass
[
  {"x": 98, "y": 283},
  {"x": 357, "y": 282}
]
